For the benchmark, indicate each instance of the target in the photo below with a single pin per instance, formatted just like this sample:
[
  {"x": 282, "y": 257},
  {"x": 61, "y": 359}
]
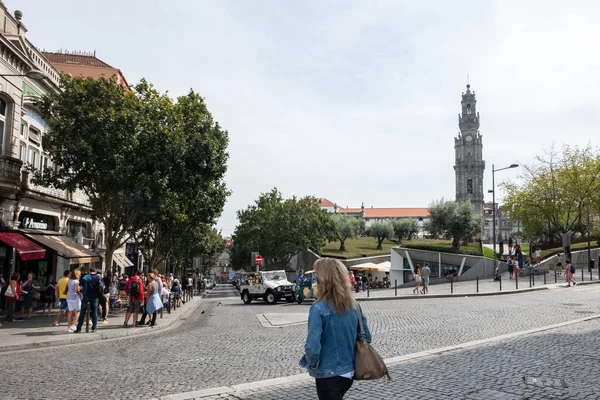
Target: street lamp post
[
  {"x": 31, "y": 74},
  {"x": 494, "y": 205}
]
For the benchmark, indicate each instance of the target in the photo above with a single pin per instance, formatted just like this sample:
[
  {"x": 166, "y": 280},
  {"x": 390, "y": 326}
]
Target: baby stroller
[{"x": 496, "y": 273}]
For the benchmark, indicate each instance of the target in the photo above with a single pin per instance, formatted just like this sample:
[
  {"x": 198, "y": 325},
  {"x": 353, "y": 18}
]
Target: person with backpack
[
  {"x": 135, "y": 291},
  {"x": 91, "y": 289},
  {"x": 570, "y": 272}
]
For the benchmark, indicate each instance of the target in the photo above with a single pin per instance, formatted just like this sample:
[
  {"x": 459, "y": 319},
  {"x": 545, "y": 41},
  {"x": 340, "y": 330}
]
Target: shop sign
[{"x": 36, "y": 221}]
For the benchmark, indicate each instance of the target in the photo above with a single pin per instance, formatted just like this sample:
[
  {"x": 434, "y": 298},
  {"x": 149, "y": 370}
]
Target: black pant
[
  {"x": 332, "y": 388},
  {"x": 104, "y": 303},
  {"x": 143, "y": 320},
  {"x": 10, "y": 309}
]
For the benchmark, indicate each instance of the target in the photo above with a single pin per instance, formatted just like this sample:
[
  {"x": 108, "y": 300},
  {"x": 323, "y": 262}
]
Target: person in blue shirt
[{"x": 332, "y": 331}]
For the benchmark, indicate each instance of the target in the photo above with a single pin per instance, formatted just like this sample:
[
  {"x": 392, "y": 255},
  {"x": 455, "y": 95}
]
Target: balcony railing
[
  {"x": 10, "y": 172},
  {"x": 77, "y": 197}
]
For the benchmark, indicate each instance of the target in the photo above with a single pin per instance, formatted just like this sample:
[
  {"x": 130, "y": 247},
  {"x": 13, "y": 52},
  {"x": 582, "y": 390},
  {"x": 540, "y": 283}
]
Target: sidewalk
[
  {"x": 486, "y": 287},
  {"x": 37, "y": 332}
]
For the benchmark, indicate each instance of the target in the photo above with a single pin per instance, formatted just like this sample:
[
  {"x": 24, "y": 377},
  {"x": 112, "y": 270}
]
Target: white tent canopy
[
  {"x": 384, "y": 266},
  {"x": 366, "y": 267}
]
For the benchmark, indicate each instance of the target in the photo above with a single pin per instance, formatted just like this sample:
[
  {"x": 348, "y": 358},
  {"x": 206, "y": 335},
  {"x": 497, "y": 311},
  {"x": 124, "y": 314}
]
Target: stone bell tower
[{"x": 468, "y": 148}]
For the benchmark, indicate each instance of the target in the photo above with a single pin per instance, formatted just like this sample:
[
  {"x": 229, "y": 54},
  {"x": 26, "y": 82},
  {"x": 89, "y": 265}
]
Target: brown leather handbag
[{"x": 368, "y": 364}]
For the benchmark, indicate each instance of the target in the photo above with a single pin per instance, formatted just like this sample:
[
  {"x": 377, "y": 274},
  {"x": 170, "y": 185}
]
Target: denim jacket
[{"x": 331, "y": 341}]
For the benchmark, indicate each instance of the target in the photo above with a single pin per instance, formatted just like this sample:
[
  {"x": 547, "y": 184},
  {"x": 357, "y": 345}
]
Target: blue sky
[{"x": 350, "y": 100}]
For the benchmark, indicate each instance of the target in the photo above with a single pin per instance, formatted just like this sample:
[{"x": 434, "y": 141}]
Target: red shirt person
[{"x": 135, "y": 292}]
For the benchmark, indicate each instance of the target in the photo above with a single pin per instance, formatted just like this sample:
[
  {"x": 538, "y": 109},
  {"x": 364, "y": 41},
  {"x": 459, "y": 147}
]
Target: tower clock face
[{"x": 469, "y": 138}]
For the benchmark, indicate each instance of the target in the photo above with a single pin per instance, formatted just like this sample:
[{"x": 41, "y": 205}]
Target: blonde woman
[
  {"x": 332, "y": 331},
  {"x": 73, "y": 300}
]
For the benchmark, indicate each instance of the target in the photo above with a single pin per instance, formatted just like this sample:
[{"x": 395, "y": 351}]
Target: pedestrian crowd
[{"x": 84, "y": 288}]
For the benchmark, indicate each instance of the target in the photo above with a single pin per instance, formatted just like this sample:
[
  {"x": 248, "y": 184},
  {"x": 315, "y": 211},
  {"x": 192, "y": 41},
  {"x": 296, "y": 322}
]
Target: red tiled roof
[
  {"x": 349, "y": 210},
  {"x": 327, "y": 203},
  {"x": 389, "y": 212},
  {"x": 75, "y": 59}
]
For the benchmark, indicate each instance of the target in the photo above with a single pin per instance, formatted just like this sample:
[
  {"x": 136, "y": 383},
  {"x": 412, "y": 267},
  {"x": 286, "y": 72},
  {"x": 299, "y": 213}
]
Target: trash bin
[{"x": 591, "y": 267}]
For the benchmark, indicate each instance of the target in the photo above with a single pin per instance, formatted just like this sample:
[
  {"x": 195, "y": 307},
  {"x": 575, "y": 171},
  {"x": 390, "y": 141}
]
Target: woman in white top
[
  {"x": 417, "y": 278},
  {"x": 73, "y": 300}
]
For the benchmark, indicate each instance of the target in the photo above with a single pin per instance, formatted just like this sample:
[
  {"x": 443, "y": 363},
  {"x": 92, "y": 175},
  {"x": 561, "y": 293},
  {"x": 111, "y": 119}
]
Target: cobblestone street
[
  {"x": 559, "y": 364},
  {"x": 223, "y": 343}
]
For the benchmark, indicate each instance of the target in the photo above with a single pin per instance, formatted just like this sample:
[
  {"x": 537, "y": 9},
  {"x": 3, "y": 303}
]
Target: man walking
[
  {"x": 90, "y": 288},
  {"x": 61, "y": 295},
  {"x": 135, "y": 291},
  {"x": 425, "y": 273}
]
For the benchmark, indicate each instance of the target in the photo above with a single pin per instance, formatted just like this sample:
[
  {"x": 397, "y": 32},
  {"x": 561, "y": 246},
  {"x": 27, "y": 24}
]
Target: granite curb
[{"x": 99, "y": 336}]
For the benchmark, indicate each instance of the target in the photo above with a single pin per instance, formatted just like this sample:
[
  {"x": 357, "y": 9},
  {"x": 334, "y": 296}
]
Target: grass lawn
[
  {"x": 356, "y": 248},
  {"x": 444, "y": 246},
  {"x": 365, "y": 247}
]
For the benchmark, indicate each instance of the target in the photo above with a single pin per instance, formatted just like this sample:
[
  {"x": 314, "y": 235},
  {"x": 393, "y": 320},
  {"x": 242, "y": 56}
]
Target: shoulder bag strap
[{"x": 361, "y": 328}]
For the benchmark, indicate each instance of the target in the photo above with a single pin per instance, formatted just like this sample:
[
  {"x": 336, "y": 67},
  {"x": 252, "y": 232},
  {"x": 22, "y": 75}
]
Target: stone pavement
[
  {"x": 486, "y": 286},
  {"x": 560, "y": 363},
  {"x": 38, "y": 331},
  {"x": 222, "y": 343}
]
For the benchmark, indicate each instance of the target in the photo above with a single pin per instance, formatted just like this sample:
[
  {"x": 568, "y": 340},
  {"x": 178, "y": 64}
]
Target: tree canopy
[
  {"x": 382, "y": 231},
  {"x": 555, "y": 193},
  {"x": 405, "y": 228},
  {"x": 147, "y": 163},
  {"x": 346, "y": 228},
  {"x": 279, "y": 228},
  {"x": 455, "y": 219}
]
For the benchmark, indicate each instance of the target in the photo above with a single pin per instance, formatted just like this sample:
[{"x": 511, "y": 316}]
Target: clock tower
[{"x": 468, "y": 148}]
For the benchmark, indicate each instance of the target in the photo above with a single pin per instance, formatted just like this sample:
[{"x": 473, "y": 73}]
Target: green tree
[
  {"x": 279, "y": 228},
  {"x": 555, "y": 193},
  {"x": 346, "y": 228},
  {"x": 457, "y": 220},
  {"x": 147, "y": 164},
  {"x": 176, "y": 191},
  {"x": 405, "y": 228},
  {"x": 382, "y": 231},
  {"x": 92, "y": 142}
]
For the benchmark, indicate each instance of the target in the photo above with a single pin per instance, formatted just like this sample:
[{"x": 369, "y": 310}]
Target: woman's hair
[
  {"x": 151, "y": 276},
  {"x": 333, "y": 285},
  {"x": 75, "y": 274},
  {"x": 15, "y": 276}
]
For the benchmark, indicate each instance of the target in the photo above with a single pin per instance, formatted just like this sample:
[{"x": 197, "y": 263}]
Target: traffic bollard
[
  {"x": 555, "y": 280},
  {"x": 529, "y": 280},
  {"x": 477, "y": 284},
  {"x": 367, "y": 290},
  {"x": 544, "y": 277},
  {"x": 451, "y": 286},
  {"x": 500, "y": 282},
  {"x": 533, "y": 279},
  {"x": 581, "y": 274},
  {"x": 591, "y": 275},
  {"x": 395, "y": 287},
  {"x": 517, "y": 280},
  {"x": 161, "y": 312}
]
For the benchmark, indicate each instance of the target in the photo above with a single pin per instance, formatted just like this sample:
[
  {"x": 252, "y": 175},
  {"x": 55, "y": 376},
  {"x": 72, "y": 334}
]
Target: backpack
[
  {"x": 134, "y": 288},
  {"x": 87, "y": 281},
  {"x": 572, "y": 269}
]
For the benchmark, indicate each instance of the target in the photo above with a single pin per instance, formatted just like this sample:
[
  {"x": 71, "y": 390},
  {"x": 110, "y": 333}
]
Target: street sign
[{"x": 258, "y": 259}]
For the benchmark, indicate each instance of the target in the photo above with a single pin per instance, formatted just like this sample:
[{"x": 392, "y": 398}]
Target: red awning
[{"x": 26, "y": 248}]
